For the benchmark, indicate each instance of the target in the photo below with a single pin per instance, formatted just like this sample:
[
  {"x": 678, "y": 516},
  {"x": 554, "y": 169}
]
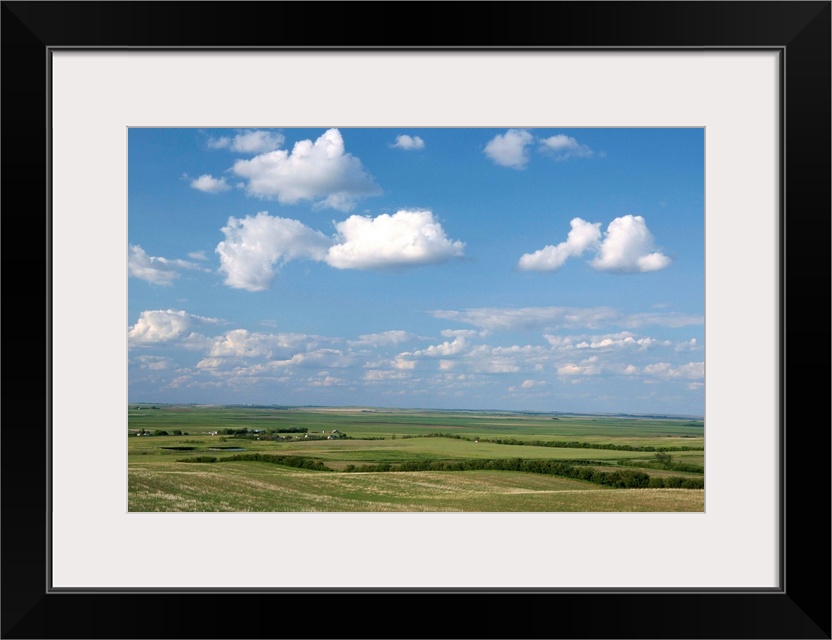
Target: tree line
[
  {"x": 574, "y": 469},
  {"x": 558, "y": 444},
  {"x": 578, "y": 470}
]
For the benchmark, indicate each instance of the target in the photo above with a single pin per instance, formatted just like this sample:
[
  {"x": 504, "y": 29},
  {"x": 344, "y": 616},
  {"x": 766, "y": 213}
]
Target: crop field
[{"x": 277, "y": 459}]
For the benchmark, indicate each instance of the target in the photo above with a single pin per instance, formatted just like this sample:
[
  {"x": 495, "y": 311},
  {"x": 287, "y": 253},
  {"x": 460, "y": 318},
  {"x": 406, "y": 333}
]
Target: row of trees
[
  {"x": 297, "y": 462},
  {"x": 244, "y": 432},
  {"x": 626, "y": 478},
  {"x": 559, "y": 444},
  {"x": 162, "y": 432}
]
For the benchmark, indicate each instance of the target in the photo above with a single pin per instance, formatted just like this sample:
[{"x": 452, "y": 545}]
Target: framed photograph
[
  {"x": 602, "y": 225},
  {"x": 571, "y": 381}
]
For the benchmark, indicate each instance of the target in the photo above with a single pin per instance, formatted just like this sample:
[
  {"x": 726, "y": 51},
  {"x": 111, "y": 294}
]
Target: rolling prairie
[{"x": 275, "y": 459}]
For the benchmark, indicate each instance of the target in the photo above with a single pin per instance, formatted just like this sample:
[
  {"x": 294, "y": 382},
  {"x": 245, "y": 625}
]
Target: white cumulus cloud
[
  {"x": 588, "y": 367},
  {"x": 321, "y": 171},
  {"x": 447, "y": 348},
  {"x": 618, "y": 340},
  {"x": 209, "y": 184},
  {"x": 244, "y": 344},
  {"x": 254, "y": 245},
  {"x": 153, "y": 269},
  {"x": 255, "y": 141},
  {"x": 325, "y": 381},
  {"x": 403, "y": 364},
  {"x": 628, "y": 247},
  {"x": 409, "y": 143},
  {"x": 666, "y": 371},
  {"x": 403, "y": 239},
  {"x": 164, "y": 326},
  {"x": 584, "y": 235},
  {"x": 510, "y": 149},
  {"x": 563, "y": 147}
]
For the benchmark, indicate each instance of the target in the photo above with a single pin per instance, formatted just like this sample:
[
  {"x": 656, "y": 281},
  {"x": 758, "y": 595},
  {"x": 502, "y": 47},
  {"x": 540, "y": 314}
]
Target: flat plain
[{"x": 357, "y": 459}]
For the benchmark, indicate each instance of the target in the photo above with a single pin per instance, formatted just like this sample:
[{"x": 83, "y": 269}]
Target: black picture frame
[{"x": 799, "y": 608}]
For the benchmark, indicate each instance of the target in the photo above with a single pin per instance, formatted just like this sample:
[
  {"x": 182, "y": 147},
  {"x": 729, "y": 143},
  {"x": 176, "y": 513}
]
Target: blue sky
[{"x": 524, "y": 269}]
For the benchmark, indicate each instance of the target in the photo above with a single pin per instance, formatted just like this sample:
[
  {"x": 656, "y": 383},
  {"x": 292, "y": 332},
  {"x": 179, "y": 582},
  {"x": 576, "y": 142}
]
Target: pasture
[{"x": 235, "y": 458}]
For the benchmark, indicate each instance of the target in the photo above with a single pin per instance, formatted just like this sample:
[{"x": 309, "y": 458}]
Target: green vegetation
[{"x": 274, "y": 456}]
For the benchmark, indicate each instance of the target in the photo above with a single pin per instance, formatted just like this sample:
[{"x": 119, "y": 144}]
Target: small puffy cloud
[
  {"x": 666, "y": 371},
  {"x": 244, "y": 344},
  {"x": 405, "y": 238},
  {"x": 560, "y": 342},
  {"x": 219, "y": 143},
  {"x": 325, "y": 381},
  {"x": 688, "y": 345},
  {"x": 155, "y": 363},
  {"x": 257, "y": 141},
  {"x": 255, "y": 244},
  {"x": 584, "y": 235},
  {"x": 209, "y": 184},
  {"x": 403, "y": 364},
  {"x": 320, "y": 171},
  {"x": 628, "y": 247},
  {"x": 162, "y": 326},
  {"x": 528, "y": 384},
  {"x": 382, "y": 339},
  {"x": 588, "y": 367},
  {"x": 409, "y": 143},
  {"x": 153, "y": 269},
  {"x": 211, "y": 363},
  {"x": 509, "y": 149},
  {"x": 619, "y": 340},
  {"x": 197, "y": 255},
  {"x": 569, "y": 369},
  {"x": 563, "y": 147},
  {"x": 315, "y": 358},
  {"x": 454, "y": 347}
]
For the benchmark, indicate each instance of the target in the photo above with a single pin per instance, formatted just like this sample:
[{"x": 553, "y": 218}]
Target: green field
[{"x": 361, "y": 459}]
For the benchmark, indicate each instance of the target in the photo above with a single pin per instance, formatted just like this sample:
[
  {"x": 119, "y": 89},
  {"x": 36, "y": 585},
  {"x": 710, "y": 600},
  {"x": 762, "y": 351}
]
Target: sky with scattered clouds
[{"x": 515, "y": 268}]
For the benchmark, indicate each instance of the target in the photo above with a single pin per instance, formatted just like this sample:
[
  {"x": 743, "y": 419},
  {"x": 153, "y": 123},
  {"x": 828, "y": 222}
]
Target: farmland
[{"x": 245, "y": 458}]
